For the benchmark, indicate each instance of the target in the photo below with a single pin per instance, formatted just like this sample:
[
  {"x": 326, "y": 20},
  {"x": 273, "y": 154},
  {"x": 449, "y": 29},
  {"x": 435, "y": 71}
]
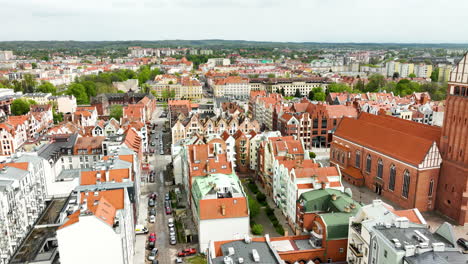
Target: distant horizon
[{"x": 242, "y": 40}]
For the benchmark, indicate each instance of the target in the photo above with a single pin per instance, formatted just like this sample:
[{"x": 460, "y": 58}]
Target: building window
[
  {"x": 358, "y": 159},
  {"x": 431, "y": 187},
  {"x": 406, "y": 184},
  {"x": 369, "y": 163},
  {"x": 341, "y": 250},
  {"x": 379, "y": 169},
  {"x": 457, "y": 91},
  {"x": 391, "y": 184},
  {"x": 385, "y": 253}
]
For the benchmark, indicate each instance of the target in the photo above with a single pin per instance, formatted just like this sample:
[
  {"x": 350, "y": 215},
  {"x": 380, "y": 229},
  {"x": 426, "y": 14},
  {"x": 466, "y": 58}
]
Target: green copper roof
[
  {"x": 333, "y": 212},
  {"x": 205, "y": 185}
]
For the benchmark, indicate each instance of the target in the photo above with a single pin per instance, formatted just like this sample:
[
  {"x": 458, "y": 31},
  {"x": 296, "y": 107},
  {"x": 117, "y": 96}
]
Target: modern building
[
  {"x": 218, "y": 202},
  {"x": 232, "y": 87},
  {"x": 380, "y": 234}
]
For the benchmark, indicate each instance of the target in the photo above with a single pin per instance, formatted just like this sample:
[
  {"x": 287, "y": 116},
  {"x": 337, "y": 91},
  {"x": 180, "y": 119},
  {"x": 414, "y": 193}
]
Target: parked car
[
  {"x": 170, "y": 222},
  {"x": 161, "y": 152},
  {"x": 151, "y": 245},
  {"x": 173, "y": 240},
  {"x": 141, "y": 229},
  {"x": 463, "y": 243},
  {"x": 155, "y": 261},
  {"x": 153, "y": 195},
  {"x": 153, "y": 144},
  {"x": 168, "y": 210},
  {"x": 179, "y": 260},
  {"x": 167, "y": 197},
  {"x": 172, "y": 232},
  {"x": 167, "y": 204},
  {"x": 152, "y": 211},
  {"x": 187, "y": 252},
  {"x": 152, "y": 219},
  {"x": 152, "y": 255},
  {"x": 152, "y": 237},
  {"x": 151, "y": 203}
]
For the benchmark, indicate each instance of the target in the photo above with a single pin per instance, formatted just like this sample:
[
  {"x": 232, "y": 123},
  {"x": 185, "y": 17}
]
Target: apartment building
[
  {"x": 313, "y": 123},
  {"x": 177, "y": 107},
  {"x": 40, "y": 98},
  {"x": 397, "y": 158},
  {"x": 22, "y": 200},
  {"x": 195, "y": 124},
  {"x": 106, "y": 128},
  {"x": 266, "y": 110},
  {"x": 290, "y": 85},
  {"x": 380, "y": 234},
  {"x": 291, "y": 178},
  {"x": 423, "y": 70},
  {"x": 219, "y": 201},
  {"x": 232, "y": 87},
  {"x": 255, "y": 143},
  {"x": 325, "y": 213},
  {"x": 170, "y": 86},
  {"x": 85, "y": 116},
  {"x": 272, "y": 148},
  {"x": 104, "y": 216}
]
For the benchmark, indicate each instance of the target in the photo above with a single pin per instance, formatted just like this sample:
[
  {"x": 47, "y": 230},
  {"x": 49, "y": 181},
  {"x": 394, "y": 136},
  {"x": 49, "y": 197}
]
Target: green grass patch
[{"x": 198, "y": 259}]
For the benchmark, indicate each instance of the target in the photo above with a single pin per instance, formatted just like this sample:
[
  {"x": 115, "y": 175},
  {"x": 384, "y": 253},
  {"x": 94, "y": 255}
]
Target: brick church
[{"x": 411, "y": 164}]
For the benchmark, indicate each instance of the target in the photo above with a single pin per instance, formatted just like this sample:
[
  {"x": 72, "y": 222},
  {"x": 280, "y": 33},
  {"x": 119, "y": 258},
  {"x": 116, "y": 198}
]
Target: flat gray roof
[
  {"x": 244, "y": 250},
  {"x": 407, "y": 235},
  {"x": 447, "y": 257}
]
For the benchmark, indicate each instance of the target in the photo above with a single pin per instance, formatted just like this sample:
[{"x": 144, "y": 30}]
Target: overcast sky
[{"x": 422, "y": 21}]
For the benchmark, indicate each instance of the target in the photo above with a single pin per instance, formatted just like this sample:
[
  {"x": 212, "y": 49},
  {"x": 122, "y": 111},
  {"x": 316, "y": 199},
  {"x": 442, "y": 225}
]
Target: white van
[{"x": 141, "y": 229}]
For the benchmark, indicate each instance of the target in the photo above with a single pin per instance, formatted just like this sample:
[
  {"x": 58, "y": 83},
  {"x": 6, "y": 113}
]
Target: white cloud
[{"x": 274, "y": 20}]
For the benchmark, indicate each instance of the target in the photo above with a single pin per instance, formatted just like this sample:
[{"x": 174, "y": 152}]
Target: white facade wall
[
  {"x": 66, "y": 104},
  {"x": 216, "y": 230}
]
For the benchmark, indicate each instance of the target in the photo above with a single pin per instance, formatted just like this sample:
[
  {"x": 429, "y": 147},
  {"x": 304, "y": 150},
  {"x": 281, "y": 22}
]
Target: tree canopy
[
  {"x": 116, "y": 111},
  {"x": 79, "y": 91},
  {"x": 47, "y": 87},
  {"x": 21, "y": 106}
]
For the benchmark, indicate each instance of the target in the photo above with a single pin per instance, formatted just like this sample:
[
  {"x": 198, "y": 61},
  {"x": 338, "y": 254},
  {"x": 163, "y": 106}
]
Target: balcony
[
  {"x": 357, "y": 227},
  {"x": 355, "y": 250}
]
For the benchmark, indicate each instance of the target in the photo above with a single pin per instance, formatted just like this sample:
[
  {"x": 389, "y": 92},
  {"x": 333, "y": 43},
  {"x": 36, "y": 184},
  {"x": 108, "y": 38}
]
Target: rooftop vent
[
  {"x": 228, "y": 260},
  {"x": 231, "y": 251},
  {"x": 240, "y": 260},
  {"x": 255, "y": 255},
  {"x": 438, "y": 247},
  {"x": 247, "y": 239},
  {"x": 396, "y": 242}
]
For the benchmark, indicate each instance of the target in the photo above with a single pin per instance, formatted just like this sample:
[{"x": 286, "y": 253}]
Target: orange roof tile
[{"x": 233, "y": 207}]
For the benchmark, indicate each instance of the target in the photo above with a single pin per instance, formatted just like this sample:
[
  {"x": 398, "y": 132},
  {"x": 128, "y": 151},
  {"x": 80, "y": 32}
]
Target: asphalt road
[{"x": 157, "y": 163}]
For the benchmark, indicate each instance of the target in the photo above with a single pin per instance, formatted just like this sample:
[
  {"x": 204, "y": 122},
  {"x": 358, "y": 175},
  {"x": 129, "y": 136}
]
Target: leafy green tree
[
  {"x": 412, "y": 75},
  {"x": 297, "y": 93},
  {"x": 79, "y": 91},
  {"x": 34, "y": 65},
  {"x": 116, "y": 111},
  {"x": 47, "y": 87},
  {"x": 311, "y": 95},
  {"x": 257, "y": 229},
  {"x": 320, "y": 96},
  {"x": 435, "y": 75},
  {"x": 254, "y": 207},
  {"x": 90, "y": 88},
  {"x": 58, "y": 117},
  {"x": 376, "y": 82},
  {"x": 29, "y": 83},
  {"x": 282, "y": 92},
  {"x": 21, "y": 106},
  {"x": 338, "y": 88},
  {"x": 144, "y": 74},
  {"x": 360, "y": 86},
  {"x": 271, "y": 75}
]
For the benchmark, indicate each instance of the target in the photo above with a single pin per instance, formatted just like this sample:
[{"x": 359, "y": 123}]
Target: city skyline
[{"x": 259, "y": 20}]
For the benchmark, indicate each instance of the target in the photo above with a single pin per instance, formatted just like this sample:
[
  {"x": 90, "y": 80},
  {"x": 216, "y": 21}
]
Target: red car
[
  {"x": 168, "y": 210},
  {"x": 187, "y": 252},
  {"x": 152, "y": 237}
]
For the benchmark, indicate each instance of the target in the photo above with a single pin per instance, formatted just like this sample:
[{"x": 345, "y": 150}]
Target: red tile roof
[
  {"x": 404, "y": 140},
  {"x": 233, "y": 208}
]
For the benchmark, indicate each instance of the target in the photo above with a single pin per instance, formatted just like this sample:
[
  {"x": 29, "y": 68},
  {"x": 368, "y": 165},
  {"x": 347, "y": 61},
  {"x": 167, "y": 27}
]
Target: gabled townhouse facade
[
  {"x": 292, "y": 177},
  {"x": 85, "y": 116},
  {"x": 208, "y": 126},
  {"x": 271, "y": 149}
]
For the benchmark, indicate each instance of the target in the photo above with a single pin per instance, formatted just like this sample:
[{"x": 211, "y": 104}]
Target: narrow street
[{"x": 157, "y": 163}]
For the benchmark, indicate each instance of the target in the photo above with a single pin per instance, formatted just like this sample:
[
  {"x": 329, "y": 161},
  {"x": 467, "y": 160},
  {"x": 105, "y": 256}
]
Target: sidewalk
[{"x": 263, "y": 219}]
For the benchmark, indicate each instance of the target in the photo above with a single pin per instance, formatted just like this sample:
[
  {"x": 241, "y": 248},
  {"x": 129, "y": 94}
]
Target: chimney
[
  {"x": 333, "y": 197},
  {"x": 352, "y": 206},
  {"x": 324, "y": 185},
  {"x": 223, "y": 210},
  {"x": 347, "y": 209},
  {"x": 107, "y": 175}
]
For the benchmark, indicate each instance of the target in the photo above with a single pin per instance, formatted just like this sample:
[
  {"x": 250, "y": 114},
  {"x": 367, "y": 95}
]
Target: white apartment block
[{"x": 22, "y": 200}]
